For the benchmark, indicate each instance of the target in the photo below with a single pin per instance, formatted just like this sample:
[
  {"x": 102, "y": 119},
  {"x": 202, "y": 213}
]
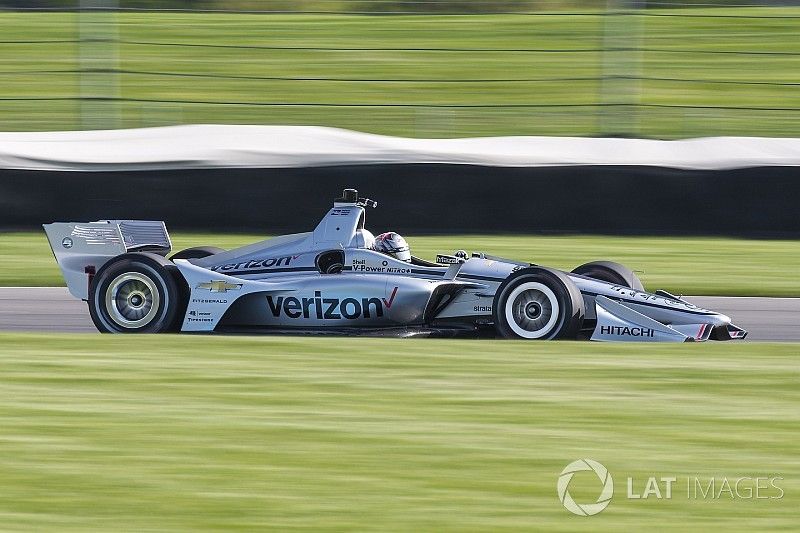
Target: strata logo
[
  {"x": 329, "y": 308},
  {"x": 585, "y": 509},
  {"x": 625, "y": 331},
  {"x": 255, "y": 264}
]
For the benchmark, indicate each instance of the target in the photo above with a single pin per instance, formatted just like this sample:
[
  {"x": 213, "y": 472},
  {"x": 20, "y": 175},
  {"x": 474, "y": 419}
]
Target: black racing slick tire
[
  {"x": 198, "y": 252},
  {"x": 538, "y": 303},
  {"x": 136, "y": 293},
  {"x": 610, "y": 272}
]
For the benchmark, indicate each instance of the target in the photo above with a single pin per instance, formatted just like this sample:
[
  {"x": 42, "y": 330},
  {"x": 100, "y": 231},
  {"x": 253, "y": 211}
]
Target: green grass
[
  {"x": 684, "y": 265},
  {"x": 186, "y": 73},
  {"x": 165, "y": 433}
]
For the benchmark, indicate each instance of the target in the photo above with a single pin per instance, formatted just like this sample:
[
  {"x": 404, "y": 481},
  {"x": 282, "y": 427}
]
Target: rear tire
[
  {"x": 538, "y": 303},
  {"x": 198, "y": 252},
  {"x": 135, "y": 293},
  {"x": 610, "y": 272}
]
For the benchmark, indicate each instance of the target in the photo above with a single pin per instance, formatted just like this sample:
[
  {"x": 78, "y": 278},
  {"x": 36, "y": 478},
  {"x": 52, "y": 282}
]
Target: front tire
[
  {"x": 135, "y": 293},
  {"x": 538, "y": 303},
  {"x": 610, "y": 272}
]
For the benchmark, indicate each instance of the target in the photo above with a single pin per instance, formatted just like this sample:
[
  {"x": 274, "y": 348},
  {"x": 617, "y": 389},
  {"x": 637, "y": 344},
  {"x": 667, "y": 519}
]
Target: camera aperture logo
[{"x": 585, "y": 509}]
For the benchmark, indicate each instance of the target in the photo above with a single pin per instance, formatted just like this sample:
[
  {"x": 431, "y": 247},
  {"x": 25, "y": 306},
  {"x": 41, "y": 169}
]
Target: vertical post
[
  {"x": 636, "y": 28},
  {"x": 620, "y": 91},
  {"x": 98, "y": 61}
]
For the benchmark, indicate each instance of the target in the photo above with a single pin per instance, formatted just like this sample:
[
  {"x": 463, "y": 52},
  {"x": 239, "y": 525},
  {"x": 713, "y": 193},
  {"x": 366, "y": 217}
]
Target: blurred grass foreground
[
  {"x": 566, "y": 68},
  {"x": 192, "y": 433}
]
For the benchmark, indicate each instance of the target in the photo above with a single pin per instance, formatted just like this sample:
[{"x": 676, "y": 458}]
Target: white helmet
[{"x": 393, "y": 244}]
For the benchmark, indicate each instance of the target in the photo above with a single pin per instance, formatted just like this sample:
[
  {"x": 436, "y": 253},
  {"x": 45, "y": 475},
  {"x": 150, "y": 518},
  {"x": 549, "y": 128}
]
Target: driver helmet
[{"x": 394, "y": 245}]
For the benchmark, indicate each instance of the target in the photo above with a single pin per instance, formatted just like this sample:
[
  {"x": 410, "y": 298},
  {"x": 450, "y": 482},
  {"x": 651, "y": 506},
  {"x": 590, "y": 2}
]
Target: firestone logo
[{"x": 585, "y": 509}]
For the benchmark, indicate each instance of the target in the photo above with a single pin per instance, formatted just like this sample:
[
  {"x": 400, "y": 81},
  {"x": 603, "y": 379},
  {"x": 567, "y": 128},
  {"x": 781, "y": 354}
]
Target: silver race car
[{"x": 336, "y": 279}]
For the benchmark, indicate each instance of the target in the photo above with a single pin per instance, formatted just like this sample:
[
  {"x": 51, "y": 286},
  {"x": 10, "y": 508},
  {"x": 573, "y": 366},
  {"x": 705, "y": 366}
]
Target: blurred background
[
  {"x": 194, "y": 432},
  {"x": 421, "y": 68}
]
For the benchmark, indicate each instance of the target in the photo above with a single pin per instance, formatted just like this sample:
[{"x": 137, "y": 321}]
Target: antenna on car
[{"x": 350, "y": 196}]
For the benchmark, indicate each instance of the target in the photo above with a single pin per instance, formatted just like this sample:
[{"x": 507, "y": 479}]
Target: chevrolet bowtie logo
[{"x": 220, "y": 286}]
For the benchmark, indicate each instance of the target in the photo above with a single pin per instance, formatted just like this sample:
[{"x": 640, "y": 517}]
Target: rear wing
[{"x": 81, "y": 248}]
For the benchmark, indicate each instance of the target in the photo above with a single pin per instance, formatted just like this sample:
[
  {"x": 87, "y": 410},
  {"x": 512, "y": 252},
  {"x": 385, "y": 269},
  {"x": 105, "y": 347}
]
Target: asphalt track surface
[{"x": 52, "y": 309}]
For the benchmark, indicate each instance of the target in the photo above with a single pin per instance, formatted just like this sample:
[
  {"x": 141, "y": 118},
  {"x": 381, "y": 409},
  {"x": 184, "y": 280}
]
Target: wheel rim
[
  {"x": 532, "y": 310},
  {"x": 132, "y": 300}
]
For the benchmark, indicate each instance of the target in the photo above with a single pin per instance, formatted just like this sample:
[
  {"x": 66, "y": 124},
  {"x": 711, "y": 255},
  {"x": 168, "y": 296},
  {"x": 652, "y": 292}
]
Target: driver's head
[{"x": 393, "y": 244}]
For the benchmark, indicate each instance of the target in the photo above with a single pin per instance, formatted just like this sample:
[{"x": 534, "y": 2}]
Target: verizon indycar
[{"x": 339, "y": 278}]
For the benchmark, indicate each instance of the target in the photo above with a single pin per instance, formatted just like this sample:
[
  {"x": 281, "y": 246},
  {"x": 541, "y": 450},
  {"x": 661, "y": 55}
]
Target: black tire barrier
[{"x": 421, "y": 198}]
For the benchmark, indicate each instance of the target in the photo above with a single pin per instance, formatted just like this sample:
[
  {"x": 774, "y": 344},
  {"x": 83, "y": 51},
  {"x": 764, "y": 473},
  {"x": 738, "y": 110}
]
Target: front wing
[{"x": 620, "y": 323}]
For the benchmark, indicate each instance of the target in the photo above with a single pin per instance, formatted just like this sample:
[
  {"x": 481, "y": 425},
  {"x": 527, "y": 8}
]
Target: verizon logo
[{"x": 329, "y": 308}]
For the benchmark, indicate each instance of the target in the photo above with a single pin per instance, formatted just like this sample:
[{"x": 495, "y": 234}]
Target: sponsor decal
[
  {"x": 482, "y": 308},
  {"x": 66, "y": 242},
  {"x": 219, "y": 286},
  {"x": 209, "y": 301},
  {"x": 322, "y": 308},
  {"x": 194, "y": 314},
  {"x": 360, "y": 265},
  {"x": 626, "y": 331},
  {"x": 646, "y": 297},
  {"x": 338, "y": 212},
  {"x": 390, "y": 301},
  {"x": 253, "y": 264},
  {"x": 94, "y": 235},
  {"x": 448, "y": 259}
]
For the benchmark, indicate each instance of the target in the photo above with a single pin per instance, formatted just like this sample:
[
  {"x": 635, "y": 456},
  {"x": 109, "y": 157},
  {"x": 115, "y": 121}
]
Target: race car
[{"x": 336, "y": 279}]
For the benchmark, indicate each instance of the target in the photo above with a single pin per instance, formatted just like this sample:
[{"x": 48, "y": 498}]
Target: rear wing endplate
[{"x": 81, "y": 248}]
